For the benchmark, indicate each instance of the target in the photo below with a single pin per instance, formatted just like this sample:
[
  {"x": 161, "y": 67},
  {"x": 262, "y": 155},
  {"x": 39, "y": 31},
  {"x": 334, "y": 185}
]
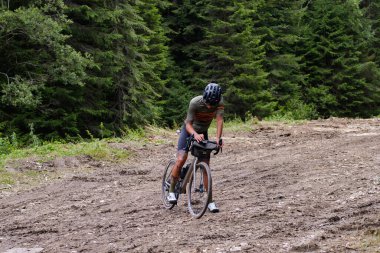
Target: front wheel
[
  {"x": 199, "y": 190},
  {"x": 166, "y": 180}
]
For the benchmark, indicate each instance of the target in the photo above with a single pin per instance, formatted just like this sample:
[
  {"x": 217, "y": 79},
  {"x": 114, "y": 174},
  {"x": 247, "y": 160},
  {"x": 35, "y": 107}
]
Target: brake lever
[
  {"x": 219, "y": 147},
  {"x": 189, "y": 141}
]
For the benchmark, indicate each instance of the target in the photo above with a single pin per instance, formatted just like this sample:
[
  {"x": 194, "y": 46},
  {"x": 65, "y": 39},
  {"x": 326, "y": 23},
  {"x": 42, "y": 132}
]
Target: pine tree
[
  {"x": 157, "y": 50},
  {"x": 215, "y": 42},
  {"x": 371, "y": 70},
  {"x": 248, "y": 89},
  {"x": 185, "y": 26},
  {"x": 39, "y": 72},
  {"x": 278, "y": 22},
  {"x": 120, "y": 89},
  {"x": 334, "y": 47},
  {"x": 372, "y": 12}
]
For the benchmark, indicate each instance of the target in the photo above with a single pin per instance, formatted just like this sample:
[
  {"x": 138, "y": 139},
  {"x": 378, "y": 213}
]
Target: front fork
[{"x": 201, "y": 188}]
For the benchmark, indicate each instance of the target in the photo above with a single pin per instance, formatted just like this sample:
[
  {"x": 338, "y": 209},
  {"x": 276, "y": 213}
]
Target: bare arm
[
  {"x": 190, "y": 130},
  {"x": 219, "y": 128}
]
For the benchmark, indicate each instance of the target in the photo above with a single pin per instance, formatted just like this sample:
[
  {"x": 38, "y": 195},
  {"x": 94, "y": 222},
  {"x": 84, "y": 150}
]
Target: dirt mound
[
  {"x": 33, "y": 164},
  {"x": 311, "y": 187}
]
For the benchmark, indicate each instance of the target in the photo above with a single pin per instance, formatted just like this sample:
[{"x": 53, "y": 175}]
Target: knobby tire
[
  {"x": 166, "y": 179},
  {"x": 199, "y": 198}
]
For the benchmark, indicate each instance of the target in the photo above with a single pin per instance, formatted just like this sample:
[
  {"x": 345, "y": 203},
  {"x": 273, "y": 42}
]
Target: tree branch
[{"x": 8, "y": 78}]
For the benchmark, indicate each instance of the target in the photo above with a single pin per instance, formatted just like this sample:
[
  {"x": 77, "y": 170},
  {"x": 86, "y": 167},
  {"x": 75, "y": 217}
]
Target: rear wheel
[
  {"x": 199, "y": 190},
  {"x": 166, "y": 180}
]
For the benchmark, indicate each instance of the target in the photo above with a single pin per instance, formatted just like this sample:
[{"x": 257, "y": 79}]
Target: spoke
[{"x": 166, "y": 182}]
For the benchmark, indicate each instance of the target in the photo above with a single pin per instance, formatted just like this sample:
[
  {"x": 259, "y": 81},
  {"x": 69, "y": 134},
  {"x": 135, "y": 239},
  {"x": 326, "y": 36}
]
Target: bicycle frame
[
  {"x": 201, "y": 192},
  {"x": 190, "y": 172},
  {"x": 188, "y": 175}
]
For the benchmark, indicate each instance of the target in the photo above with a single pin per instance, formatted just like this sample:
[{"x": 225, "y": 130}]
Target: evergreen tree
[
  {"x": 247, "y": 81},
  {"x": 372, "y": 13},
  {"x": 185, "y": 26},
  {"x": 107, "y": 65},
  {"x": 40, "y": 74},
  {"x": 157, "y": 51},
  {"x": 214, "y": 41},
  {"x": 333, "y": 52},
  {"x": 120, "y": 89},
  {"x": 371, "y": 9},
  {"x": 371, "y": 70},
  {"x": 278, "y": 22},
  {"x": 15, "y": 4}
]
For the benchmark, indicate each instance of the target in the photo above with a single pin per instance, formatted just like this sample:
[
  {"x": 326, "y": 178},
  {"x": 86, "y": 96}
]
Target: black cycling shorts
[{"x": 182, "y": 141}]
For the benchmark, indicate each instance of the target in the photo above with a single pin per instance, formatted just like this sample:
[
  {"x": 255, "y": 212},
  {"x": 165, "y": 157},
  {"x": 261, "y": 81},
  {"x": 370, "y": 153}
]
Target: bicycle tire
[
  {"x": 166, "y": 184},
  {"x": 198, "y": 195}
]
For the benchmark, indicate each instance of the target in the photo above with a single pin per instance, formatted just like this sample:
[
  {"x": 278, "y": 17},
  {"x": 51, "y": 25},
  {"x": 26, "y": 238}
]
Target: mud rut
[{"x": 312, "y": 187}]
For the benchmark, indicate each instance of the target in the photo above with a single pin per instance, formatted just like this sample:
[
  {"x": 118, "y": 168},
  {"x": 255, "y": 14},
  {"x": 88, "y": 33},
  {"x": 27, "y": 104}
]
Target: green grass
[
  {"x": 102, "y": 150},
  {"x": 235, "y": 125},
  {"x": 372, "y": 239},
  {"x": 239, "y": 126},
  {"x": 6, "y": 178},
  {"x": 284, "y": 120},
  {"x": 97, "y": 149}
]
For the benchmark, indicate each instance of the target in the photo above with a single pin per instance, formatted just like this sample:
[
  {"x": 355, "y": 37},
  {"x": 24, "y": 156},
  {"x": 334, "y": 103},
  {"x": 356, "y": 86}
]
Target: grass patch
[
  {"x": 135, "y": 134},
  {"x": 239, "y": 126},
  {"x": 6, "y": 178},
  {"x": 158, "y": 135},
  {"x": 97, "y": 149},
  {"x": 101, "y": 150},
  {"x": 284, "y": 120},
  {"x": 371, "y": 240},
  {"x": 235, "y": 126}
]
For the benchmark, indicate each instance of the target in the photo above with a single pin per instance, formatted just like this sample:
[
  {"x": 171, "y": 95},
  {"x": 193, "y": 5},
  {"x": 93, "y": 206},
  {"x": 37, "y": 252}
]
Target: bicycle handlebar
[{"x": 218, "y": 147}]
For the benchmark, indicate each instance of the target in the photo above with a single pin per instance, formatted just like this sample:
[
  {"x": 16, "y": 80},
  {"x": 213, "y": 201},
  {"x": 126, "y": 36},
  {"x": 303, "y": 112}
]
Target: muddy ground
[{"x": 312, "y": 187}]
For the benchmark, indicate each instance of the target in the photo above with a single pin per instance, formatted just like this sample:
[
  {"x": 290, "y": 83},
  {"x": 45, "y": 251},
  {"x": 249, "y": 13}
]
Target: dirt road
[{"x": 313, "y": 187}]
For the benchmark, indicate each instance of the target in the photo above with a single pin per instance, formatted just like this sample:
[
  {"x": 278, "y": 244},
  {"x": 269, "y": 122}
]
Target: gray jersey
[{"x": 200, "y": 115}]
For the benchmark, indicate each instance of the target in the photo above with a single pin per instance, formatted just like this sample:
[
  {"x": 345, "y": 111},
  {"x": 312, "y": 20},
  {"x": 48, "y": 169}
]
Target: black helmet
[{"x": 212, "y": 94}]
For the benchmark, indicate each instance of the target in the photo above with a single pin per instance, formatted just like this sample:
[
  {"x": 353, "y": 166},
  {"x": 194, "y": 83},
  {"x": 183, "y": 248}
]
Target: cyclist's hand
[{"x": 198, "y": 137}]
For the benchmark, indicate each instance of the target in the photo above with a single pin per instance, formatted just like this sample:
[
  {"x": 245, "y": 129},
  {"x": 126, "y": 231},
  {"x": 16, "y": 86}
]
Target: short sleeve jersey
[{"x": 201, "y": 116}]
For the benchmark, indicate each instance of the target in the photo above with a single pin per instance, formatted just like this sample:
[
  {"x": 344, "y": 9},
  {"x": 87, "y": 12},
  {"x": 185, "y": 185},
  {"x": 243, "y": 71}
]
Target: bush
[
  {"x": 8, "y": 144},
  {"x": 295, "y": 110}
]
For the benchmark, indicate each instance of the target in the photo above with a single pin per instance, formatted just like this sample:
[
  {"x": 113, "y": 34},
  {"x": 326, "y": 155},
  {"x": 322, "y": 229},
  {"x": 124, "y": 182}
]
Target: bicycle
[{"x": 196, "y": 181}]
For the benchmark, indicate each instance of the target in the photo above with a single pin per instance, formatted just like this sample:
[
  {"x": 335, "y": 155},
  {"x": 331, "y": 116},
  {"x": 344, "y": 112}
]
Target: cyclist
[{"x": 202, "y": 110}]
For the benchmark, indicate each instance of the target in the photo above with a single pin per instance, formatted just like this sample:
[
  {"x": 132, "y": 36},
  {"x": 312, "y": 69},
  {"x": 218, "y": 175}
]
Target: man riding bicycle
[{"x": 202, "y": 109}]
